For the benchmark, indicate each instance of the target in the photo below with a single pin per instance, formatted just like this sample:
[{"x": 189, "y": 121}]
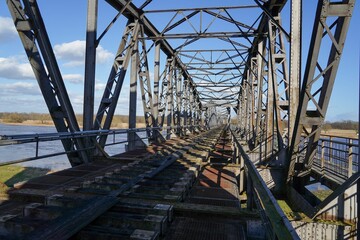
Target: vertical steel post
[
  {"x": 322, "y": 159},
  {"x": 260, "y": 79},
  {"x": 90, "y": 66},
  {"x": 156, "y": 82},
  {"x": 191, "y": 120},
  {"x": 253, "y": 96},
  {"x": 133, "y": 95},
  {"x": 242, "y": 171},
  {"x": 178, "y": 91},
  {"x": 170, "y": 99},
  {"x": 278, "y": 75},
  {"x": 163, "y": 95},
  {"x": 185, "y": 105},
  {"x": 350, "y": 164},
  {"x": 295, "y": 63},
  {"x": 270, "y": 106}
]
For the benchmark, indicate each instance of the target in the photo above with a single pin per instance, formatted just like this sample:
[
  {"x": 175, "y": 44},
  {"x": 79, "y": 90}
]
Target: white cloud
[
  {"x": 7, "y": 29},
  {"x": 74, "y": 78},
  {"x": 20, "y": 88},
  {"x": 103, "y": 55},
  {"x": 74, "y": 53},
  {"x": 100, "y": 86},
  {"x": 13, "y": 68}
]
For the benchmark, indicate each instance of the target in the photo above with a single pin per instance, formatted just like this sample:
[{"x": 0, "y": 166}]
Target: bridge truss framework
[{"x": 249, "y": 66}]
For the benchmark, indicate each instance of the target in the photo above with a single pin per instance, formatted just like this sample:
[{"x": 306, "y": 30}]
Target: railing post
[
  {"x": 322, "y": 158},
  {"x": 235, "y": 153},
  {"x": 350, "y": 163},
  {"x": 242, "y": 172},
  {"x": 331, "y": 154}
]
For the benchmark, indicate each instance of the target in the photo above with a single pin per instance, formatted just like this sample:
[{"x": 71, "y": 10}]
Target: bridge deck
[{"x": 168, "y": 191}]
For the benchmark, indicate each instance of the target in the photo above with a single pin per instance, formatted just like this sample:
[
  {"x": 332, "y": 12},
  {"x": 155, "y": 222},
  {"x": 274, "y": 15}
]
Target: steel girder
[
  {"x": 170, "y": 99},
  {"x": 116, "y": 78},
  {"x": 171, "y": 84},
  {"x": 90, "y": 65},
  {"x": 318, "y": 82},
  {"x": 134, "y": 74},
  {"x": 156, "y": 84},
  {"x": 164, "y": 92},
  {"x": 32, "y": 32},
  {"x": 259, "y": 84},
  {"x": 252, "y": 77},
  {"x": 178, "y": 91},
  {"x": 145, "y": 87},
  {"x": 278, "y": 85},
  {"x": 295, "y": 64}
]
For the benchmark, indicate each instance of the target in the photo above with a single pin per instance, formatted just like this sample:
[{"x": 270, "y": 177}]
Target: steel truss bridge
[{"x": 197, "y": 69}]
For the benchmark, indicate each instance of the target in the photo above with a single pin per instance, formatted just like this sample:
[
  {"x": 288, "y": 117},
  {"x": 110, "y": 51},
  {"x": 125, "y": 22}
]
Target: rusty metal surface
[
  {"x": 131, "y": 196},
  {"x": 205, "y": 229}
]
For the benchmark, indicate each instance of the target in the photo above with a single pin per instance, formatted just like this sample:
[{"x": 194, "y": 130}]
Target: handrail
[
  {"x": 335, "y": 136},
  {"x": 27, "y": 138},
  {"x": 36, "y": 137},
  {"x": 16, "y": 139},
  {"x": 339, "y": 142},
  {"x": 339, "y": 158},
  {"x": 280, "y": 223}
]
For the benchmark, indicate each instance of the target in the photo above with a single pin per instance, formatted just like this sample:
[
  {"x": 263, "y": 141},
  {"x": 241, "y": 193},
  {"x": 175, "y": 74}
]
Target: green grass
[
  {"x": 322, "y": 194},
  {"x": 9, "y": 175},
  {"x": 290, "y": 214},
  {"x": 284, "y": 206}
]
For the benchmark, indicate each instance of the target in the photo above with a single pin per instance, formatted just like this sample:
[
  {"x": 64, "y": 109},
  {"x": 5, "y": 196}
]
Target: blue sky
[{"x": 66, "y": 25}]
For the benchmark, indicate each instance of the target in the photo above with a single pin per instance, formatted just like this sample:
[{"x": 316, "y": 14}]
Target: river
[{"x": 21, "y": 151}]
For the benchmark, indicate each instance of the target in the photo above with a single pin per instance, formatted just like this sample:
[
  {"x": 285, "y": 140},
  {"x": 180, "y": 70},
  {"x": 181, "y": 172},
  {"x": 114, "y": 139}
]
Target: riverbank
[{"x": 46, "y": 123}]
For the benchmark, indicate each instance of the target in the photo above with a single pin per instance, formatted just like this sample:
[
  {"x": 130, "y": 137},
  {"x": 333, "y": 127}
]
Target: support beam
[
  {"x": 133, "y": 96},
  {"x": 90, "y": 65},
  {"x": 295, "y": 63},
  {"x": 156, "y": 82},
  {"x": 145, "y": 86},
  {"x": 115, "y": 81},
  {"x": 323, "y": 76},
  {"x": 170, "y": 100},
  {"x": 32, "y": 32}
]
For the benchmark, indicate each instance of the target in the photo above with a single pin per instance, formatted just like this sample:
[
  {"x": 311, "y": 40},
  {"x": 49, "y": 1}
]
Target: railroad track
[{"x": 134, "y": 195}]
